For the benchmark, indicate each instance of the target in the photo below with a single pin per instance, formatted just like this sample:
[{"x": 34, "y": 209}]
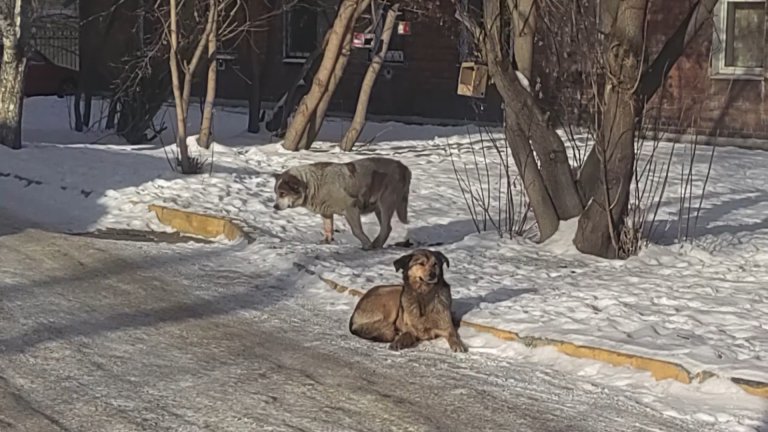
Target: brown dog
[{"x": 417, "y": 310}]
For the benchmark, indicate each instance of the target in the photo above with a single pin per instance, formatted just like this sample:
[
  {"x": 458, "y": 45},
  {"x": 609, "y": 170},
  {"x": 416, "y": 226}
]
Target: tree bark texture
[
  {"x": 204, "y": 139},
  {"x": 296, "y": 135},
  {"x": 603, "y": 218},
  {"x": 514, "y": 96},
  {"x": 653, "y": 76},
  {"x": 313, "y": 129},
  {"x": 358, "y": 121},
  {"x": 524, "y": 25},
  {"x": 181, "y": 115},
  {"x": 533, "y": 139},
  {"x": 11, "y": 96},
  {"x": 14, "y": 29}
]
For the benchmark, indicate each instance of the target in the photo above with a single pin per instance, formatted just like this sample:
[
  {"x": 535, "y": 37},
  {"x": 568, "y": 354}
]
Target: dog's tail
[{"x": 402, "y": 206}]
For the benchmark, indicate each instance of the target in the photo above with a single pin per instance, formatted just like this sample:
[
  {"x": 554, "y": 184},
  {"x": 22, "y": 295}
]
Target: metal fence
[{"x": 59, "y": 42}]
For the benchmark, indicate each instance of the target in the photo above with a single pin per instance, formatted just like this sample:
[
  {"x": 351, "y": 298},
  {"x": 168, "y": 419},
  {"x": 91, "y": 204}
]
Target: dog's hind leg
[
  {"x": 377, "y": 331},
  {"x": 384, "y": 215}
]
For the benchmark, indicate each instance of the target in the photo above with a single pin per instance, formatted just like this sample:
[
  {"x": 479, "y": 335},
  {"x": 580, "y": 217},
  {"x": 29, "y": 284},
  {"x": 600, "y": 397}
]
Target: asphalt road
[{"x": 100, "y": 335}]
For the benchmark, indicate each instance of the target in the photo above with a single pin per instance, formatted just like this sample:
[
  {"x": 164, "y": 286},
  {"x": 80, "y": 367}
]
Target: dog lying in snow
[
  {"x": 369, "y": 185},
  {"x": 419, "y": 309}
]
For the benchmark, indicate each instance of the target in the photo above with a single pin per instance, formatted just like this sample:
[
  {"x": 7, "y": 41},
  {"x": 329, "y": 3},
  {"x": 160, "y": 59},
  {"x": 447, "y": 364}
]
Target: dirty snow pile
[{"x": 702, "y": 304}]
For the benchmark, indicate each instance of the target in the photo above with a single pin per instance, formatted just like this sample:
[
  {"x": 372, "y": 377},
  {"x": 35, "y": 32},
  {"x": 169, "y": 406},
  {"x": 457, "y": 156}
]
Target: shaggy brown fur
[{"x": 417, "y": 310}]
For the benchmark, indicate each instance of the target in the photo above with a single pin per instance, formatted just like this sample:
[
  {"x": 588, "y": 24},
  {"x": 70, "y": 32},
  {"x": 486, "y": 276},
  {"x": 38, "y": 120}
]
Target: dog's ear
[
  {"x": 401, "y": 264},
  {"x": 294, "y": 183},
  {"x": 443, "y": 259}
]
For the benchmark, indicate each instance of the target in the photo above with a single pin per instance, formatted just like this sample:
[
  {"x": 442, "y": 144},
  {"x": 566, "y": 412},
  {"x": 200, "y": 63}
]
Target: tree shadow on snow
[
  {"x": 464, "y": 305},
  {"x": 150, "y": 306},
  {"x": 666, "y": 231},
  {"x": 441, "y": 234},
  {"x": 63, "y": 192}
]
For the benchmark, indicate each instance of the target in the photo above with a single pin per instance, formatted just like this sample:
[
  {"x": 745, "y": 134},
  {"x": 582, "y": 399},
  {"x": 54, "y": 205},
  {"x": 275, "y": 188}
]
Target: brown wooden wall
[{"x": 425, "y": 86}]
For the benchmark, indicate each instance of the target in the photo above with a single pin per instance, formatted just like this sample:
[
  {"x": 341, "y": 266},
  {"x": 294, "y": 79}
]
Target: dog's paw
[
  {"x": 377, "y": 245},
  {"x": 402, "y": 342},
  {"x": 458, "y": 347},
  {"x": 368, "y": 246},
  {"x": 326, "y": 241}
]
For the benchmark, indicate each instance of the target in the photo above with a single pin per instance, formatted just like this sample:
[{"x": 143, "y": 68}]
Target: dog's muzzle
[
  {"x": 432, "y": 277},
  {"x": 277, "y": 207}
]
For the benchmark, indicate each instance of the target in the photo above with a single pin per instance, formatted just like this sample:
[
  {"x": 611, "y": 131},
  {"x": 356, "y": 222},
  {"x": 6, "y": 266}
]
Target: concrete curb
[
  {"x": 659, "y": 369},
  {"x": 199, "y": 224}
]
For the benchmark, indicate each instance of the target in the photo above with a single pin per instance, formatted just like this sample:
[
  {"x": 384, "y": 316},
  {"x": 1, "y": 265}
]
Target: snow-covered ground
[{"x": 703, "y": 305}]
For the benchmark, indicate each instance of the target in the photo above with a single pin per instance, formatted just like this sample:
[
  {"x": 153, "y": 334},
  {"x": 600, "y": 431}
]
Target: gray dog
[{"x": 369, "y": 185}]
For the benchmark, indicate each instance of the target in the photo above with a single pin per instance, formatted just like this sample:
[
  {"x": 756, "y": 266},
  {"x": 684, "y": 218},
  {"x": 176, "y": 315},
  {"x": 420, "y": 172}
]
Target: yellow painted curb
[
  {"x": 755, "y": 388},
  {"x": 659, "y": 369},
  {"x": 199, "y": 224}
]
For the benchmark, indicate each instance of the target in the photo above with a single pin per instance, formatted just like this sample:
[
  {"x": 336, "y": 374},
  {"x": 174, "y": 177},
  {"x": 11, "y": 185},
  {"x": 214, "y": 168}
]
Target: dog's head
[
  {"x": 422, "y": 266},
  {"x": 290, "y": 191}
]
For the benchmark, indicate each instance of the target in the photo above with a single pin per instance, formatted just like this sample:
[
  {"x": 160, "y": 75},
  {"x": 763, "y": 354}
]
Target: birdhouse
[{"x": 473, "y": 79}]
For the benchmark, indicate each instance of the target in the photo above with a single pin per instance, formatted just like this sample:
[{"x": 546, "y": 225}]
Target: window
[
  {"x": 739, "y": 41},
  {"x": 300, "y": 32}
]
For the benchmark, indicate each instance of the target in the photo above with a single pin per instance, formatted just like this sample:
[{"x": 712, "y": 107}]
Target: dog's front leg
[
  {"x": 403, "y": 341},
  {"x": 328, "y": 229},
  {"x": 353, "y": 219},
  {"x": 448, "y": 331}
]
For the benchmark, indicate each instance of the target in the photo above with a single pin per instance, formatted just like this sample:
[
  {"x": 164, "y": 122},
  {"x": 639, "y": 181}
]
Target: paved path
[{"x": 106, "y": 336}]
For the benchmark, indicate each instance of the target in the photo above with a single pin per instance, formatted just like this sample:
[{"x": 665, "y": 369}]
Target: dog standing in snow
[
  {"x": 369, "y": 185},
  {"x": 417, "y": 310}
]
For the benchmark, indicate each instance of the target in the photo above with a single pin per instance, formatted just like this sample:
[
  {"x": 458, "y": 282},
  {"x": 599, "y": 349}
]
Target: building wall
[
  {"x": 425, "y": 86},
  {"x": 695, "y": 102}
]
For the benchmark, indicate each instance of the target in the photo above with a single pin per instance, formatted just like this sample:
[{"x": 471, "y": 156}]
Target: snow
[{"x": 701, "y": 304}]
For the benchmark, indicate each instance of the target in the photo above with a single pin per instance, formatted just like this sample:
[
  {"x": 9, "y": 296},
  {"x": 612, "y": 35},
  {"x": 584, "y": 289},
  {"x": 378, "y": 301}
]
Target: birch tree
[{"x": 15, "y": 23}]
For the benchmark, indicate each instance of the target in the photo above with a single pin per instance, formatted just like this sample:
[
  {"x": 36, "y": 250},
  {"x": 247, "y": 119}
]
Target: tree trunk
[
  {"x": 111, "y": 113},
  {"x": 653, "y": 76},
  {"x": 78, "y": 108},
  {"x": 11, "y": 92},
  {"x": 519, "y": 138},
  {"x": 318, "y": 117},
  {"x": 88, "y": 106},
  {"x": 181, "y": 115},
  {"x": 304, "y": 114},
  {"x": 254, "y": 96},
  {"x": 529, "y": 135},
  {"x": 524, "y": 25},
  {"x": 358, "y": 121},
  {"x": 204, "y": 139},
  {"x": 602, "y": 220},
  {"x": 547, "y": 144}
]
